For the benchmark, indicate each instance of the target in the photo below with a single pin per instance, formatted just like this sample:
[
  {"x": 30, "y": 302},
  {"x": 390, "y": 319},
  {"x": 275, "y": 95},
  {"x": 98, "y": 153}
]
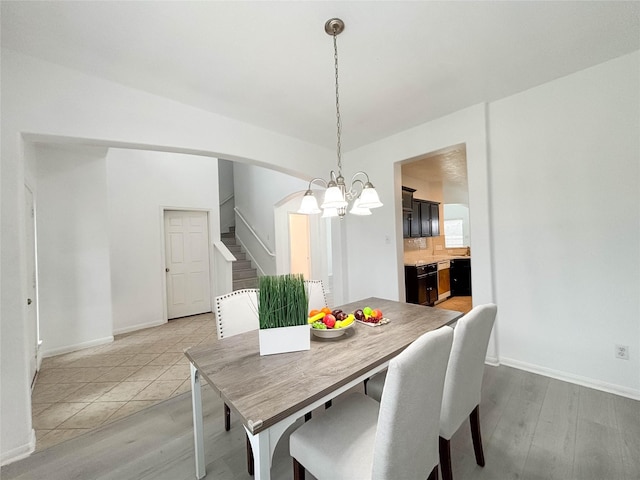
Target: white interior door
[
  {"x": 300, "y": 247},
  {"x": 187, "y": 263},
  {"x": 31, "y": 299}
]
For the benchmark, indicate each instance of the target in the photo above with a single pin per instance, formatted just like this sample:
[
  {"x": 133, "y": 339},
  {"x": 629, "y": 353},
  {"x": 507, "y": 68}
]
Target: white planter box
[{"x": 284, "y": 339}]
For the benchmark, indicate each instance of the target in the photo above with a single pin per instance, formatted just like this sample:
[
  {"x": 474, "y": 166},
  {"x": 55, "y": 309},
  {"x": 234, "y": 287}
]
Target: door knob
[
  {"x": 29, "y": 301},
  {"x": 166, "y": 269}
]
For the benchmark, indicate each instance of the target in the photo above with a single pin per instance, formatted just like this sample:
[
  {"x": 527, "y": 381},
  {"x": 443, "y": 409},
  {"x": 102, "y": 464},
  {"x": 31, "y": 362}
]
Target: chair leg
[
  {"x": 307, "y": 416},
  {"x": 366, "y": 380},
  {"x": 434, "y": 474},
  {"x": 445, "y": 459},
  {"x": 227, "y": 417},
  {"x": 474, "y": 418},
  {"x": 298, "y": 470},
  {"x": 249, "y": 457},
  {"x": 328, "y": 404}
]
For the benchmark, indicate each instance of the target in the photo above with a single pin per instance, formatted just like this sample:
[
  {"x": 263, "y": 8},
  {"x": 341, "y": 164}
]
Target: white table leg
[
  {"x": 260, "y": 444},
  {"x": 198, "y": 436}
]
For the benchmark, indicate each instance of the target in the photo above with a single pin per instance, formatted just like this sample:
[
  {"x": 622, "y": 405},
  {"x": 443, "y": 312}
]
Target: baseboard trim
[
  {"x": 576, "y": 379},
  {"x": 140, "y": 326},
  {"x": 493, "y": 361},
  {"x": 18, "y": 453},
  {"x": 77, "y": 346}
]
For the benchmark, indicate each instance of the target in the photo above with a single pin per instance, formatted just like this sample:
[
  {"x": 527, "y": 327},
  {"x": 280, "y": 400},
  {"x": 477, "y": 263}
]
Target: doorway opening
[
  {"x": 441, "y": 178},
  {"x": 300, "y": 250}
]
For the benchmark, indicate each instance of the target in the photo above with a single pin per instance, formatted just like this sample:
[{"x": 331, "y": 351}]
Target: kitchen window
[{"x": 453, "y": 233}]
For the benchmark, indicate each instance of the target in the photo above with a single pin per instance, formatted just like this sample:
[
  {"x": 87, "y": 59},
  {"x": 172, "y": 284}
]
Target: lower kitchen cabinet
[
  {"x": 461, "y": 277},
  {"x": 421, "y": 283}
]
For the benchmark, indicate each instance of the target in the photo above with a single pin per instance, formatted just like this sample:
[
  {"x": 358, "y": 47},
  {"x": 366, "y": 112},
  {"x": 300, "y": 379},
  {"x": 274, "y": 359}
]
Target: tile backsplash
[
  {"x": 416, "y": 244},
  {"x": 428, "y": 246}
]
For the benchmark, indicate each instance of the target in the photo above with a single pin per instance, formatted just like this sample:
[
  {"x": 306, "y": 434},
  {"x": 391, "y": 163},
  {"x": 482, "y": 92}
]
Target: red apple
[{"x": 329, "y": 320}]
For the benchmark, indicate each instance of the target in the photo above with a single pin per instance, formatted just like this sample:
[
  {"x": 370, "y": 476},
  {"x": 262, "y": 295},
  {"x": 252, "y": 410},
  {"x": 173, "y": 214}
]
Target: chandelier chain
[{"x": 338, "y": 119}]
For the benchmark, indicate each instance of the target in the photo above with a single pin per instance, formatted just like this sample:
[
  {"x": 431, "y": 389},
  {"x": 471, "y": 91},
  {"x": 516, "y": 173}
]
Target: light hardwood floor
[{"x": 533, "y": 427}]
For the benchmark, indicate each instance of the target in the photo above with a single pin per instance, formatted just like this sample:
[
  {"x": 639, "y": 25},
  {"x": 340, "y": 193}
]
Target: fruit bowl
[{"x": 331, "y": 332}]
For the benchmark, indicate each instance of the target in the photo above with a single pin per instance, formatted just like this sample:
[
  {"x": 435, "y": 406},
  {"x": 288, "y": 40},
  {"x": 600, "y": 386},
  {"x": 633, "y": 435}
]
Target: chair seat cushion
[{"x": 339, "y": 442}]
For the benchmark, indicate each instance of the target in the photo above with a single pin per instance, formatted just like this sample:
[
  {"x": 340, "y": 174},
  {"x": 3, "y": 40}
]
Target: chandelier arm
[
  {"x": 353, "y": 193},
  {"x": 318, "y": 179},
  {"x": 353, "y": 178}
]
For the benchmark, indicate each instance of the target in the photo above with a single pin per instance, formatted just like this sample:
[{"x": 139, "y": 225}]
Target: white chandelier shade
[{"x": 334, "y": 198}]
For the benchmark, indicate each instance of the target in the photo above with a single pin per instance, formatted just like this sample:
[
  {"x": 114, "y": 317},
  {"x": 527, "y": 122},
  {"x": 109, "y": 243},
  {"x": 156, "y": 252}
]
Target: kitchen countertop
[{"x": 427, "y": 259}]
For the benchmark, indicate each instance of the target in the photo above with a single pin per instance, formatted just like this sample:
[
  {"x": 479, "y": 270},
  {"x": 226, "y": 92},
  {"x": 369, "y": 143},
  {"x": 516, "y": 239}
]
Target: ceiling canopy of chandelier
[{"x": 360, "y": 193}]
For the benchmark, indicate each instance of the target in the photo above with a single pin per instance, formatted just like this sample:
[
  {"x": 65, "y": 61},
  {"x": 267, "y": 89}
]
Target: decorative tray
[{"x": 383, "y": 321}]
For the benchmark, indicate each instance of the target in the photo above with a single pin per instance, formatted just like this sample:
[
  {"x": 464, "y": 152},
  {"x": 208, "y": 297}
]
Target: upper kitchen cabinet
[
  {"x": 429, "y": 218},
  {"x": 434, "y": 210},
  {"x": 407, "y": 211},
  {"x": 407, "y": 199},
  {"x": 423, "y": 220}
]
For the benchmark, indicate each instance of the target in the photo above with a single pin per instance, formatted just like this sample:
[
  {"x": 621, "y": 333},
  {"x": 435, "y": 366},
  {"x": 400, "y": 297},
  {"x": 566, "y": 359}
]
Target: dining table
[{"x": 269, "y": 393}]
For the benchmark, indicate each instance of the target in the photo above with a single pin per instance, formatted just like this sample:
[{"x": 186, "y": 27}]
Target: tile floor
[
  {"x": 459, "y": 304},
  {"x": 82, "y": 390}
]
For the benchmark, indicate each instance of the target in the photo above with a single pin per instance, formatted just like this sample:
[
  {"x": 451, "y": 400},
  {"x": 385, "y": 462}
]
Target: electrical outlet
[{"x": 622, "y": 352}]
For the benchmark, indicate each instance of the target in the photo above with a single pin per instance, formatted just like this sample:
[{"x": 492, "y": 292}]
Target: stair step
[
  {"x": 243, "y": 274},
  {"x": 228, "y": 240},
  {"x": 228, "y": 235},
  {"x": 241, "y": 264},
  {"x": 245, "y": 283},
  {"x": 240, "y": 255},
  {"x": 234, "y": 248}
]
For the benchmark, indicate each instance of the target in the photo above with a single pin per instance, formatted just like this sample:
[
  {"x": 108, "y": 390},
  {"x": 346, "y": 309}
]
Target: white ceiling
[{"x": 271, "y": 63}]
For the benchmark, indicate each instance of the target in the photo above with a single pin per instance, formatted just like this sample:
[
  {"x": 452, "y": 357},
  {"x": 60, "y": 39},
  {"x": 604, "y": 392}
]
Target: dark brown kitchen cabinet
[
  {"x": 420, "y": 218},
  {"x": 421, "y": 283},
  {"x": 415, "y": 222},
  {"x": 407, "y": 211},
  {"x": 434, "y": 213},
  {"x": 461, "y": 277},
  {"x": 424, "y": 220},
  {"x": 407, "y": 198}
]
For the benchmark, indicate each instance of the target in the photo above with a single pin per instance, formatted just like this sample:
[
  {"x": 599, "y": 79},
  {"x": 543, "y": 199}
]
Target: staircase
[{"x": 244, "y": 275}]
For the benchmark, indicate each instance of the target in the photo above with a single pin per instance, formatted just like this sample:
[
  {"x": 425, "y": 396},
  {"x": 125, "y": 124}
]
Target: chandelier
[{"x": 361, "y": 193}]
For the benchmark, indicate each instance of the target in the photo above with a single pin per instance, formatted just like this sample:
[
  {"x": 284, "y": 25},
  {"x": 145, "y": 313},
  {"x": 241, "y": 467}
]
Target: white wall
[
  {"x": 257, "y": 191},
  {"x": 564, "y": 157},
  {"x": 73, "y": 248},
  {"x": 47, "y": 102},
  {"x": 225, "y": 184},
  {"x": 375, "y": 259},
  {"x": 140, "y": 185},
  {"x": 564, "y": 267}
]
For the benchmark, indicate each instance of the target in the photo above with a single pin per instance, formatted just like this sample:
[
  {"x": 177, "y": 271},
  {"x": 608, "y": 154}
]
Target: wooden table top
[{"x": 263, "y": 390}]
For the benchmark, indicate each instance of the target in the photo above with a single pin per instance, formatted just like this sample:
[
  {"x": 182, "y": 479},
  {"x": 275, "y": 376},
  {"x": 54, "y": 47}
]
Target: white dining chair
[
  {"x": 317, "y": 299},
  {"x": 237, "y": 312},
  {"x": 359, "y": 438},
  {"x": 463, "y": 383},
  {"x": 316, "y": 294}
]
